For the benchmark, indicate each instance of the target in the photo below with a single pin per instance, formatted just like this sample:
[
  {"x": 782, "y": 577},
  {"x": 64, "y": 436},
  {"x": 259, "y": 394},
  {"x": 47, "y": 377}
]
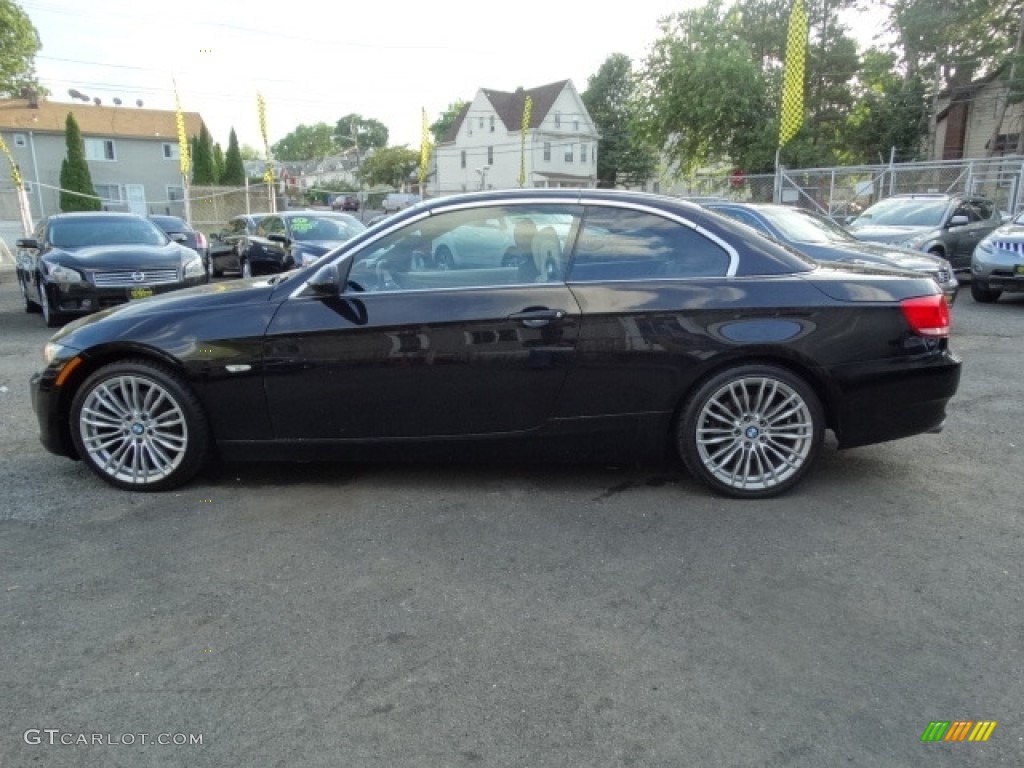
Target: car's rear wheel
[
  {"x": 751, "y": 431},
  {"x": 139, "y": 427},
  {"x": 981, "y": 293}
]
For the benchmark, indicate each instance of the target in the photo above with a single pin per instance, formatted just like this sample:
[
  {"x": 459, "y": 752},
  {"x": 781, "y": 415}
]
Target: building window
[
  {"x": 463, "y": 158},
  {"x": 20, "y": 140},
  {"x": 481, "y": 122},
  {"x": 109, "y": 194},
  {"x": 175, "y": 194},
  {"x": 1006, "y": 144},
  {"x": 492, "y": 123},
  {"x": 583, "y": 153},
  {"x": 171, "y": 151},
  {"x": 490, "y": 155},
  {"x": 576, "y": 125},
  {"x": 547, "y": 151},
  {"x": 568, "y": 153},
  {"x": 100, "y": 149},
  {"x": 27, "y": 185},
  {"x": 558, "y": 119}
]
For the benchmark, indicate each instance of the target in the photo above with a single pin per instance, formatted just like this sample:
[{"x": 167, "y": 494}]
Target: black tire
[
  {"x": 982, "y": 294},
  {"x": 751, "y": 431},
  {"x": 32, "y": 307},
  {"x": 51, "y": 318},
  {"x": 138, "y": 426}
]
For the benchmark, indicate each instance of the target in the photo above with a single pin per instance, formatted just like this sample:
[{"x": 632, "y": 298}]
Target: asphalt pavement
[{"x": 408, "y": 615}]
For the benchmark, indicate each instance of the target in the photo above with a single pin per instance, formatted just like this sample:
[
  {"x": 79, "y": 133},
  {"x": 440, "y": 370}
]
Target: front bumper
[
  {"x": 84, "y": 298},
  {"x": 53, "y": 430}
]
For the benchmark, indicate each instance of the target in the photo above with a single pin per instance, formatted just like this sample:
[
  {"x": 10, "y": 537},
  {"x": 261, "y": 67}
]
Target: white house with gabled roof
[{"x": 484, "y": 147}]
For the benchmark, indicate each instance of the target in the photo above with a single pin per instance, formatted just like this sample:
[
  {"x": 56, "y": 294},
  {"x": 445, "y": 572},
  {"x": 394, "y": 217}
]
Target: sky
[{"x": 319, "y": 60}]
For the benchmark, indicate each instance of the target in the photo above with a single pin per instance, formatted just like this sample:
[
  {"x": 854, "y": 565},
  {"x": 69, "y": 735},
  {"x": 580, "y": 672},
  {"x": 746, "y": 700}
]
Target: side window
[
  {"x": 270, "y": 226},
  {"x": 477, "y": 248},
  {"x": 986, "y": 208},
  {"x": 623, "y": 244},
  {"x": 969, "y": 210}
]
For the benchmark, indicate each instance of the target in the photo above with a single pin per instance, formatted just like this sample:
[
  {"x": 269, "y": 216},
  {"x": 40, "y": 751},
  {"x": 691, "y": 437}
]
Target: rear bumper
[{"x": 888, "y": 401}]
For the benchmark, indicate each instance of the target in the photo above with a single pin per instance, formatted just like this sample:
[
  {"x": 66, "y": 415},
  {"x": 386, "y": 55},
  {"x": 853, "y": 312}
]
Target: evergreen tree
[
  {"x": 75, "y": 180},
  {"x": 218, "y": 163},
  {"x": 202, "y": 159},
  {"x": 234, "y": 169}
]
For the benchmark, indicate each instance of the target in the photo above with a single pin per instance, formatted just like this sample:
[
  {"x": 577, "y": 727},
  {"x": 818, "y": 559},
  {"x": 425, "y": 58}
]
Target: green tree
[
  {"x": 19, "y": 43},
  {"x": 704, "y": 96},
  {"x": 76, "y": 190},
  {"x": 218, "y": 163},
  {"x": 234, "y": 169},
  {"x": 203, "y": 171},
  {"x": 623, "y": 156},
  {"x": 393, "y": 166},
  {"x": 249, "y": 152},
  {"x": 440, "y": 127},
  {"x": 306, "y": 142},
  {"x": 358, "y": 131},
  {"x": 890, "y": 115}
]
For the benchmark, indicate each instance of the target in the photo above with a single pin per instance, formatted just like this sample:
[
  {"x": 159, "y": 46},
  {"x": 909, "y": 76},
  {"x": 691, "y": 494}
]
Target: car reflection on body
[
  {"x": 78, "y": 263},
  {"x": 656, "y": 323},
  {"x": 283, "y": 241},
  {"x": 819, "y": 238}
]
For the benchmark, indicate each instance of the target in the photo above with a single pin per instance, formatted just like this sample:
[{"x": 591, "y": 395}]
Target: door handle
[{"x": 538, "y": 318}]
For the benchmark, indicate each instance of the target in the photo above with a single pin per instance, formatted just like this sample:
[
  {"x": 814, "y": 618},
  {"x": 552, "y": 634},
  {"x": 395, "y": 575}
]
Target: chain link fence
[{"x": 843, "y": 192}]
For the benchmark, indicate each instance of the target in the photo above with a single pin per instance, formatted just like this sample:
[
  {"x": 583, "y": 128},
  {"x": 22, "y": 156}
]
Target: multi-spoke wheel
[
  {"x": 752, "y": 431},
  {"x": 138, "y": 426}
]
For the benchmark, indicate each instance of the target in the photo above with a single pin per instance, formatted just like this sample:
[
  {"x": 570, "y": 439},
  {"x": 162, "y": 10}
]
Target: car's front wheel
[
  {"x": 751, "y": 431},
  {"x": 51, "y": 317},
  {"x": 981, "y": 293},
  {"x": 139, "y": 427},
  {"x": 31, "y": 305}
]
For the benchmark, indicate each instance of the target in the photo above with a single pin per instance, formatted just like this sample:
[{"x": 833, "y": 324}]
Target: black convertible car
[{"x": 620, "y": 324}]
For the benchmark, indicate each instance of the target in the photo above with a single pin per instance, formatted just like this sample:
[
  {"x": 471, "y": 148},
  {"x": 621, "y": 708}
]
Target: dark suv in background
[{"x": 949, "y": 226}]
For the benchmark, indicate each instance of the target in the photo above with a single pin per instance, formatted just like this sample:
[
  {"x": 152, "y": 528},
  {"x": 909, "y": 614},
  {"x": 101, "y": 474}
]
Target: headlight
[
  {"x": 917, "y": 241},
  {"x": 194, "y": 268},
  {"x": 52, "y": 351},
  {"x": 58, "y": 273},
  {"x": 985, "y": 246}
]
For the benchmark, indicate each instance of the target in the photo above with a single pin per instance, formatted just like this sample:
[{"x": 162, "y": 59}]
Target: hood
[
  {"x": 102, "y": 257},
  {"x": 203, "y": 298},
  {"x": 1007, "y": 233},
  {"x": 888, "y": 233}
]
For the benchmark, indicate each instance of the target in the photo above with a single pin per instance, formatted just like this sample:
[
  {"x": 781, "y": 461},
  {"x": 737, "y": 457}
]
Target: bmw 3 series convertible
[{"x": 614, "y": 324}]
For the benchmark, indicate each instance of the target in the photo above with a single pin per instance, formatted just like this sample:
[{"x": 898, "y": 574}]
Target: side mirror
[
  {"x": 326, "y": 281},
  {"x": 28, "y": 242},
  {"x": 959, "y": 220},
  {"x": 179, "y": 237}
]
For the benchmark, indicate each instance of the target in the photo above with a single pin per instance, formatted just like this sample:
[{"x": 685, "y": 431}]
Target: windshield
[
  {"x": 905, "y": 213},
  {"x": 803, "y": 227},
  {"x": 306, "y": 228},
  {"x": 80, "y": 232}
]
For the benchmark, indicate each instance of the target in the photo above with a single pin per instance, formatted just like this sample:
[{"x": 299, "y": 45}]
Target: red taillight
[
  {"x": 200, "y": 240},
  {"x": 927, "y": 315}
]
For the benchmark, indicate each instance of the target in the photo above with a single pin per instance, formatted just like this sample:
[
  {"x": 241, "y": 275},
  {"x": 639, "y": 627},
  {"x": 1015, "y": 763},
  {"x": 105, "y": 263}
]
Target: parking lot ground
[{"x": 474, "y": 615}]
